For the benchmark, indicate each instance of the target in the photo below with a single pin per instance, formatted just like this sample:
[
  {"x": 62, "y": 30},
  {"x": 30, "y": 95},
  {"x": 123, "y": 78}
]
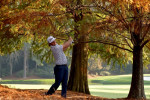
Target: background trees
[{"x": 123, "y": 26}]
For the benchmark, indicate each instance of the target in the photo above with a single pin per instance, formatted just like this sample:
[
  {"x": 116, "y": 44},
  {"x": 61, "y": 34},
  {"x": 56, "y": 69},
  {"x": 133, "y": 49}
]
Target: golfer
[{"x": 61, "y": 68}]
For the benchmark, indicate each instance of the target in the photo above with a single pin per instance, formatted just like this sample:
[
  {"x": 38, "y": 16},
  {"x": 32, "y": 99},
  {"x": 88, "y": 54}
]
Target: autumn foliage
[{"x": 123, "y": 26}]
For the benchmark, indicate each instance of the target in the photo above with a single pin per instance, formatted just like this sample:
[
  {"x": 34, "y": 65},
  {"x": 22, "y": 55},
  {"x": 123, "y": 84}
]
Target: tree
[
  {"x": 126, "y": 25},
  {"x": 45, "y": 22},
  {"x": 0, "y": 66},
  {"x": 12, "y": 58},
  {"x": 78, "y": 75}
]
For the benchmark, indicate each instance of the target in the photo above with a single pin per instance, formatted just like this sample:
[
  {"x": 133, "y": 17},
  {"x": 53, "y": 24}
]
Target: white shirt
[{"x": 58, "y": 53}]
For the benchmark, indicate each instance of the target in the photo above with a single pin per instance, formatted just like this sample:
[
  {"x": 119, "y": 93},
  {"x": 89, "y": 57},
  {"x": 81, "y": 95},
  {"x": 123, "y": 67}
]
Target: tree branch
[
  {"x": 118, "y": 34},
  {"x": 108, "y": 44},
  {"x": 148, "y": 47},
  {"x": 145, "y": 42},
  {"x": 123, "y": 21},
  {"x": 128, "y": 43},
  {"x": 146, "y": 32}
]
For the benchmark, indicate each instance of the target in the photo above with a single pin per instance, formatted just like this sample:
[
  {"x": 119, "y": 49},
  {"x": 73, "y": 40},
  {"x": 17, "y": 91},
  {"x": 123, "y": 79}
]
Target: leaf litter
[{"x": 7, "y": 93}]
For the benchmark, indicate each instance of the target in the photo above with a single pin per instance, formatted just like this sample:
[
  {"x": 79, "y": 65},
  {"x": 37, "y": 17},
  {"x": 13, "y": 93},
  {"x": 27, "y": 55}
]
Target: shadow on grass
[
  {"x": 109, "y": 95},
  {"x": 110, "y": 82}
]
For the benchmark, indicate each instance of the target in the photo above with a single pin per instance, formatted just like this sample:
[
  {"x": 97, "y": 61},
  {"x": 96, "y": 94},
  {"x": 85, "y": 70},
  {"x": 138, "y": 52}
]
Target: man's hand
[
  {"x": 67, "y": 44},
  {"x": 70, "y": 39}
]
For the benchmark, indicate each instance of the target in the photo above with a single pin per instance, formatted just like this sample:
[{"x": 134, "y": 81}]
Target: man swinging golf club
[{"x": 61, "y": 68}]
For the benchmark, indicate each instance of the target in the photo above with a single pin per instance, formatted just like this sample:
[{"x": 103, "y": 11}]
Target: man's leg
[
  {"x": 64, "y": 82},
  {"x": 58, "y": 71}
]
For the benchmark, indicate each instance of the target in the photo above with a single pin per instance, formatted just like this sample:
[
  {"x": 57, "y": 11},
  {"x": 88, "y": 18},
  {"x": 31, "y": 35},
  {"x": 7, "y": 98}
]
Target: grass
[
  {"x": 116, "y": 79},
  {"x": 104, "y": 86},
  {"x": 115, "y": 91},
  {"x": 107, "y": 80}
]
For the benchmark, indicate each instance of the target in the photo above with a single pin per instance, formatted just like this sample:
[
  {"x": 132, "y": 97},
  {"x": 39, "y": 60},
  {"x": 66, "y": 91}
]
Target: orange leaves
[
  {"x": 144, "y": 4},
  {"x": 5, "y": 2},
  {"x": 39, "y": 13},
  {"x": 39, "y": 94},
  {"x": 44, "y": 22},
  {"x": 8, "y": 93},
  {"x": 148, "y": 45},
  {"x": 14, "y": 17},
  {"x": 25, "y": 15},
  {"x": 140, "y": 4},
  {"x": 63, "y": 2}
]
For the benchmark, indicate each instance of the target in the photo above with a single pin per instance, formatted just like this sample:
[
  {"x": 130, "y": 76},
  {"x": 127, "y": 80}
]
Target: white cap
[{"x": 50, "y": 39}]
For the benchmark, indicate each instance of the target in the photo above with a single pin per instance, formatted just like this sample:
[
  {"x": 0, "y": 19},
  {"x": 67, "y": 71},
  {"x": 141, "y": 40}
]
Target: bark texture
[
  {"x": 78, "y": 75},
  {"x": 137, "y": 83}
]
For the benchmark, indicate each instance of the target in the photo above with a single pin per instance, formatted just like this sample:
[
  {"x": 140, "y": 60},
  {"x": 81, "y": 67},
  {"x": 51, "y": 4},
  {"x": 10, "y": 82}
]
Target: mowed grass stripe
[
  {"x": 110, "y": 91},
  {"x": 103, "y": 80},
  {"x": 120, "y": 91},
  {"x": 110, "y": 86}
]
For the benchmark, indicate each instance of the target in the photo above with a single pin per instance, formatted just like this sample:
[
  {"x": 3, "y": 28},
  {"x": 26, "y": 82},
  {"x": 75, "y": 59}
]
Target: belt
[{"x": 62, "y": 65}]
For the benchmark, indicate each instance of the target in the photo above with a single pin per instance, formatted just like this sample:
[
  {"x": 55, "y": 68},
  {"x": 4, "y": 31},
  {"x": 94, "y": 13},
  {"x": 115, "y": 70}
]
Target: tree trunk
[
  {"x": 78, "y": 75},
  {"x": 36, "y": 66},
  {"x": 0, "y": 68},
  {"x": 25, "y": 62},
  {"x": 137, "y": 84},
  {"x": 11, "y": 68}
]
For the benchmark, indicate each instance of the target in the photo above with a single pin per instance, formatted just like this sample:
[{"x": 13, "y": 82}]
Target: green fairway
[
  {"x": 116, "y": 79},
  {"x": 114, "y": 91},
  {"x": 109, "y": 80},
  {"x": 103, "y": 86}
]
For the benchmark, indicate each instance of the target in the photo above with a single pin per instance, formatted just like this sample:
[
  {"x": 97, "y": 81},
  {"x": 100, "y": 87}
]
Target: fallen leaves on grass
[{"x": 39, "y": 94}]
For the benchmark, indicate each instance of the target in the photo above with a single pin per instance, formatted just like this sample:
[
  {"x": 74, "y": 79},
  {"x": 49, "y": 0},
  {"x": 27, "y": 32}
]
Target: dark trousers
[{"x": 61, "y": 76}]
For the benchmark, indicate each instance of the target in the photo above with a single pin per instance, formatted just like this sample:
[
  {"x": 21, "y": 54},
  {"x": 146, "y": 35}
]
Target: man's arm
[{"x": 67, "y": 44}]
